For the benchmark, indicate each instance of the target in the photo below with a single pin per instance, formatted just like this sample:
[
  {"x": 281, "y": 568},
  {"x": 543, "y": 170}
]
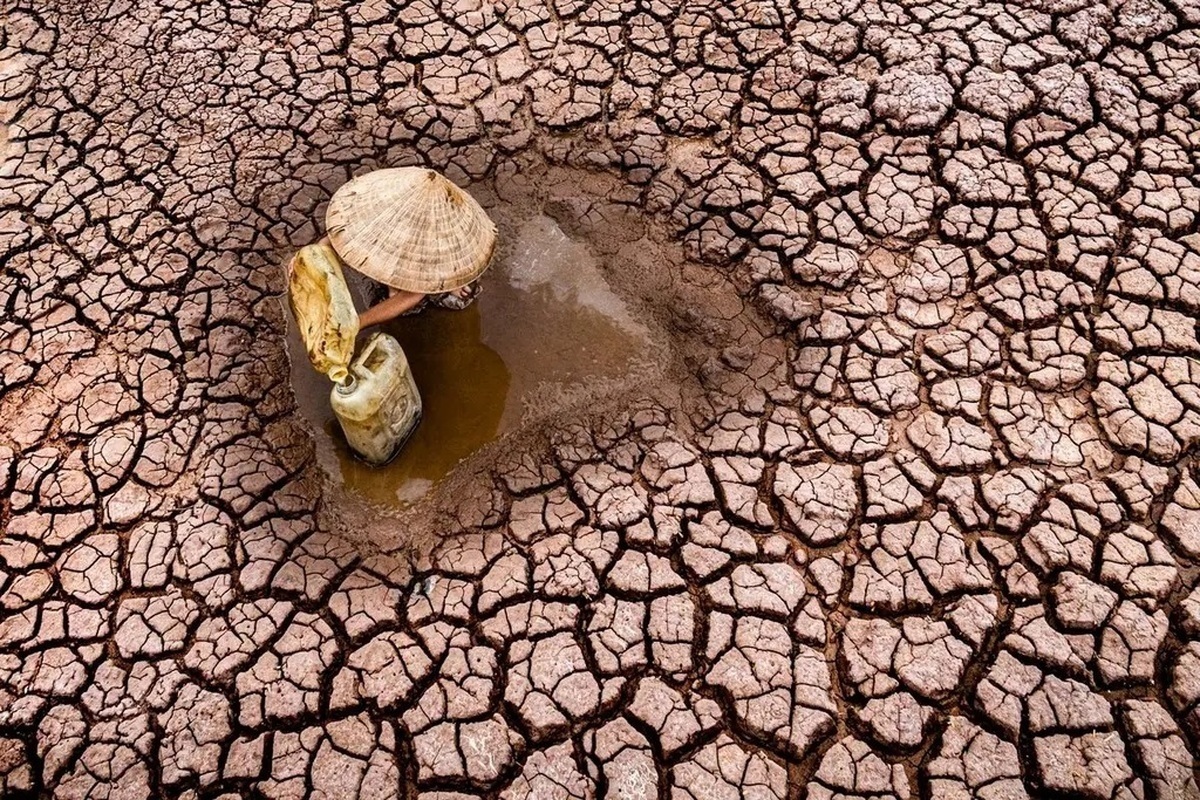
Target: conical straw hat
[{"x": 412, "y": 229}]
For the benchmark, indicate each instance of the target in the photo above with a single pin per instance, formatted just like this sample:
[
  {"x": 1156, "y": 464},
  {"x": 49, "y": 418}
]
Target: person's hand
[{"x": 457, "y": 299}]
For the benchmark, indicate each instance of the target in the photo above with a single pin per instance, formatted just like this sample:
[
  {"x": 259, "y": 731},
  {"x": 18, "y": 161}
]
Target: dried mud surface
[{"x": 921, "y": 518}]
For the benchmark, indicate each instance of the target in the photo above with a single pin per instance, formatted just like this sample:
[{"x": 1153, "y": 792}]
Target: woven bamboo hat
[{"x": 412, "y": 229}]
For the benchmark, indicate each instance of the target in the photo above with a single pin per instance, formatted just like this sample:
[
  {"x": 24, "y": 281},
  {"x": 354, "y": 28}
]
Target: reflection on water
[{"x": 545, "y": 326}]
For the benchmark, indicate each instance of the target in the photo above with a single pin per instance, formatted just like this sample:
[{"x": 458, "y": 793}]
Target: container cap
[
  {"x": 412, "y": 229},
  {"x": 323, "y": 308}
]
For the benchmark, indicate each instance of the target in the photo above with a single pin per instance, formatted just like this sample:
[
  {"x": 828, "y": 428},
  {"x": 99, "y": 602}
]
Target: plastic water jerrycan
[
  {"x": 323, "y": 309},
  {"x": 379, "y": 406}
]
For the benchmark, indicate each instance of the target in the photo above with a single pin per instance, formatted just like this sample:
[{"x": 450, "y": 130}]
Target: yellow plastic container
[
  {"x": 379, "y": 406},
  {"x": 323, "y": 308}
]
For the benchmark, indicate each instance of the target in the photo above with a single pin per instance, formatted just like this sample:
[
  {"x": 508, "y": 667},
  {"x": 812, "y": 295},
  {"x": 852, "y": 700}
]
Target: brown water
[{"x": 546, "y": 331}]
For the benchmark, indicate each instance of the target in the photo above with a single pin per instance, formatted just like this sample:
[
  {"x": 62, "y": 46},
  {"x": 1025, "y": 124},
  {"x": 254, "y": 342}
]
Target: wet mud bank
[{"x": 588, "y": 306}]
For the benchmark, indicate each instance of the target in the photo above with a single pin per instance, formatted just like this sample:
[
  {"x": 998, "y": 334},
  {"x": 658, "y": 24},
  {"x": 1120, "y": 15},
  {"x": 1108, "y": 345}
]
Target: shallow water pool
[{"x": 546, "y": 331}]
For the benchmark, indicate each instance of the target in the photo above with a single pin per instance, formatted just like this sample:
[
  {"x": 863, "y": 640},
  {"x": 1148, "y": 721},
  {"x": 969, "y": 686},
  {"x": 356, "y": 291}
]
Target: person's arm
[{"x": 394, "y": 306}]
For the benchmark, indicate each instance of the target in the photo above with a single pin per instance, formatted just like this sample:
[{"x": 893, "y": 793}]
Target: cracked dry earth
[{"x": 929, "y": 526}]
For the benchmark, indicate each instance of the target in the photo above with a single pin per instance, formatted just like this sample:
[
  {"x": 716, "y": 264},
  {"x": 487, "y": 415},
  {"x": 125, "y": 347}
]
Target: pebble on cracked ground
[{"x": 911, "y": 508}]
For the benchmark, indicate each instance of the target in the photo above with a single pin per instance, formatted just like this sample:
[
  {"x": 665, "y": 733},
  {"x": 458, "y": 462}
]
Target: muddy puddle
[{"x": 546, "y": 332}]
